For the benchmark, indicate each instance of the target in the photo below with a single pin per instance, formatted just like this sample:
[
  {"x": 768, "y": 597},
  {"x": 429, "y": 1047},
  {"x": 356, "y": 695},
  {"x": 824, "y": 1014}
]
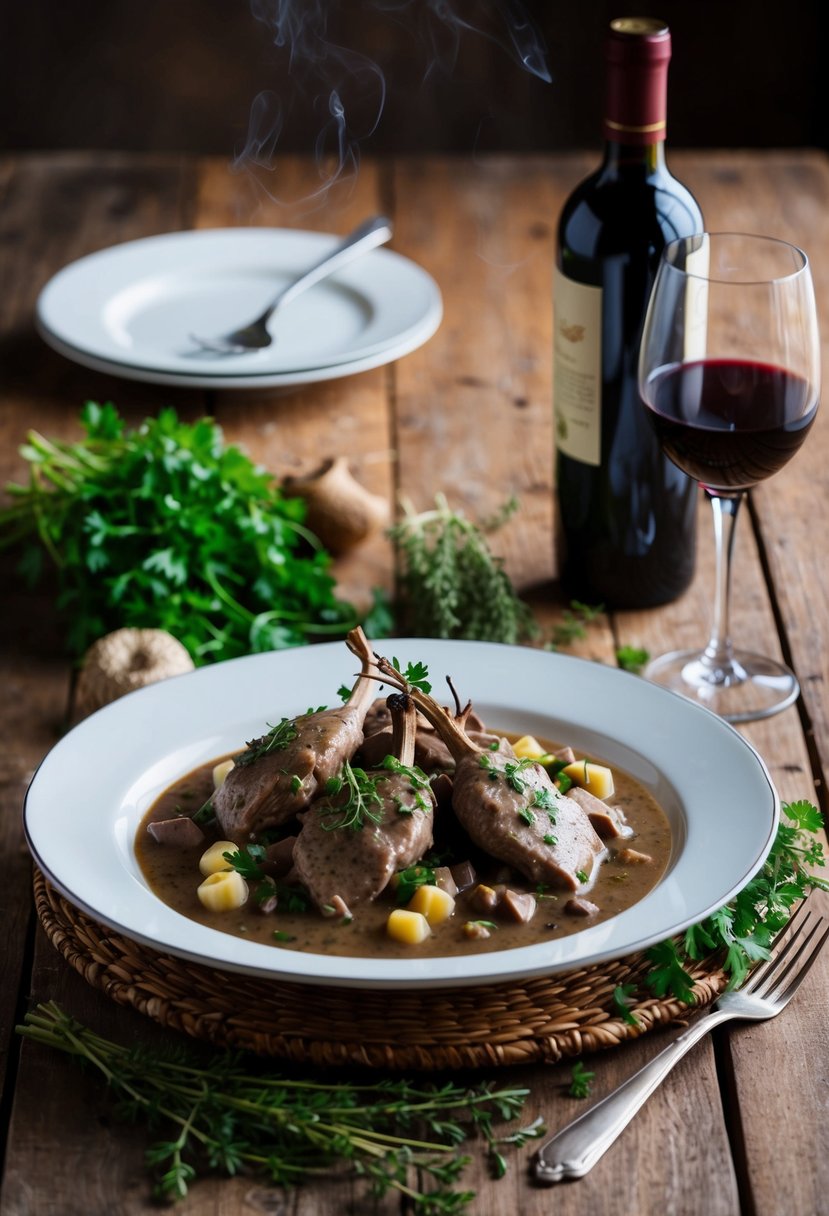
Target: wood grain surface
[{"x": 740, "y": 1127}]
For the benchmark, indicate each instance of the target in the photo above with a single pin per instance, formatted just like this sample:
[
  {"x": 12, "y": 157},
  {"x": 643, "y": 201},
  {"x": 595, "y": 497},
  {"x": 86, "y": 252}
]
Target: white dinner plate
[
  {"x": 131, "y": 309},
  {"x": 90, "y": 793}
]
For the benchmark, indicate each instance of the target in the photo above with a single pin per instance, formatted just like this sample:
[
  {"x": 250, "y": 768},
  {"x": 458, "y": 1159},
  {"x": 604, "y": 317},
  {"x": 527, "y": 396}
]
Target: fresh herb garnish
[
  {"x": 226, "y": 1118},
  {"x": 247, "y": 861},
  {"x": 416, "y": 675},
  {"x": 580, "y": 1081},
  {"x": 545, "y": 799},
  {"x": 361, "y": 803},
  {"x": 526, "y": 814},
  {"x": 205, "y": 815},
  {"x": 164, "y": 526},
  {"x": 451, "y": 585},
  {"x": 407, "y": 881},
  {"x": 582, "y": 876},
  {"x": 277, "y": 738}
]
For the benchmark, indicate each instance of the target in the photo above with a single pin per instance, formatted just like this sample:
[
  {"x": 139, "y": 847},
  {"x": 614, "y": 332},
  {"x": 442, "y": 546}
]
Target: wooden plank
[{"x": 55, "y": 209}]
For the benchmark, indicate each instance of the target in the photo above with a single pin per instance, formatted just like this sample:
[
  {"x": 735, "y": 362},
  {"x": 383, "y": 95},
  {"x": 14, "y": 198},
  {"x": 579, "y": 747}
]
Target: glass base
[{"x": 751, "y": 687}]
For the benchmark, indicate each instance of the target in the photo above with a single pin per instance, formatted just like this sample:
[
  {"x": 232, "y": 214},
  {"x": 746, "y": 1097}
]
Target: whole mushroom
[
  {"x": 127, "y": 659},
  {"x": 340, "y": 511}
]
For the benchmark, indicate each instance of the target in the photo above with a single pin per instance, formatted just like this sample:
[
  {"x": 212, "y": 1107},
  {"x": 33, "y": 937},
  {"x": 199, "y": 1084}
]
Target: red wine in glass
[{"x": 730, "y": 423}]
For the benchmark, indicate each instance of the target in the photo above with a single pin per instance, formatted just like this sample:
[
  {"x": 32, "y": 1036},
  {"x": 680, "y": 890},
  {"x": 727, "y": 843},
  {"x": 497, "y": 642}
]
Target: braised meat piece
[
  {"x": 280, "y": 774},
  {"x": 354, "y": 839},
  {"x": 511, "y": 808}
]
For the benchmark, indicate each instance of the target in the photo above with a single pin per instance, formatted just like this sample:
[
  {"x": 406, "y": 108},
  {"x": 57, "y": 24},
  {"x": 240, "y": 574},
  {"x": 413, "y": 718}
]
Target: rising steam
[{"x": 345, "y": 87}]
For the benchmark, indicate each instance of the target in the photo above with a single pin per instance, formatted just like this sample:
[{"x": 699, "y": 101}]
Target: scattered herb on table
[
  {"x": 164, "y": 526},
  {"x": 226, "y": 1119},
  {"x": 632, "y": 658},
  {"x": 573, "y": 623},
  {"x": 744, "y": 928},
  {"x": 450, "y": 584},
  {"x": 580, "y": 1081}
]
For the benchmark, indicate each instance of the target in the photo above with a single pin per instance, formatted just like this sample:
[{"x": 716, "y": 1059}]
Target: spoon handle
[{"x": 368, "y": 235}]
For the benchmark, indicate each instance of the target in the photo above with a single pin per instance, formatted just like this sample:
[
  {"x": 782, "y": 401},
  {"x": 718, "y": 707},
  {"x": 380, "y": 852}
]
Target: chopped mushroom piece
[
  {"x": 476, "y": 930},
  {"x": 337, "y": 907},
  {"x": 444, "y": 880},
  {"x": 487, "y": 899},
  {"x": 464, "y": 875},
  {"x": 632, "y": 857},
  {"x": 580, "y": 907},
  {"x": 520, "y": 906},
  {"x": 181, "y": 832}
]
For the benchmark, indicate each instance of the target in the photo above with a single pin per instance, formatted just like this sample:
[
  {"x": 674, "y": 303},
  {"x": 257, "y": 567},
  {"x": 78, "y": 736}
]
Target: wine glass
[{"x": 729, "y": 371}]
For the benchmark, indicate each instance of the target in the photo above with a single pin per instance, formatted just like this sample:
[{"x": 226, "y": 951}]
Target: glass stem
[{"x": 718, "y": 656}]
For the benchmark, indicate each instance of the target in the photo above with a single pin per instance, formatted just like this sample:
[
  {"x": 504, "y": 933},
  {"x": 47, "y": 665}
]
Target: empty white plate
[{"x": 131, "y": 309}]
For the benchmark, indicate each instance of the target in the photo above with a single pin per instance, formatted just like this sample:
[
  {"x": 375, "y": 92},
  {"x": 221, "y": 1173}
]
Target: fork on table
[{"x": 573, "y": 1151}]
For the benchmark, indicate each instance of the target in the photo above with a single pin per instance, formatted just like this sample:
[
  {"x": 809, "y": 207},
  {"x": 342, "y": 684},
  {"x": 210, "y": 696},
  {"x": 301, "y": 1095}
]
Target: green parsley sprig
[
  {"x": 165, "y": 526},
  {"x": 228, "y": 1115},
  {"x": 744, "y": 928}
]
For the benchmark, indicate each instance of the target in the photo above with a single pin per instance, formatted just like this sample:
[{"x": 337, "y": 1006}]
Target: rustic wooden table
[{"x": 740, "y": 1127}]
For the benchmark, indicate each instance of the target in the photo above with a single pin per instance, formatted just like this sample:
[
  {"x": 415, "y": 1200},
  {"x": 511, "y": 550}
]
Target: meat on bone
[
  {"x": 268, "y": 786},
  {"x": 357, "y": 863},
  {"x": 512, "y": 811}
]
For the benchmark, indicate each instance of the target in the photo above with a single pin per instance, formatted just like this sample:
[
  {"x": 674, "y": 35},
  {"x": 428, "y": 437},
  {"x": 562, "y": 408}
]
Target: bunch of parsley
[
  {"x": 744, "y": 929},
  {"x": 165, "y": 526}
]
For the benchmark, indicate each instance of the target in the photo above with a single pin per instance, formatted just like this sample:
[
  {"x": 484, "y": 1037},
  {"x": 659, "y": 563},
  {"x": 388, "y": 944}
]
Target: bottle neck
[{"x": 649, "y": 158}]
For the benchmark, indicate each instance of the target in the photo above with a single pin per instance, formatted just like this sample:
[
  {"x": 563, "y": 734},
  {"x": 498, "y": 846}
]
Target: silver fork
[
  {"x": 573, "y": 1151},
  {"x": 256, "y": 335}
]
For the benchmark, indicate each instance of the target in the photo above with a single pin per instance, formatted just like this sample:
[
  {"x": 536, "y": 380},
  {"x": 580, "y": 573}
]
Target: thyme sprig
[
  {"x": 227, "y": 1116},
  {"x": 451, "y": 585},
  {"x": 277, "y": 738},
  {"x": 361, "y": 801}
]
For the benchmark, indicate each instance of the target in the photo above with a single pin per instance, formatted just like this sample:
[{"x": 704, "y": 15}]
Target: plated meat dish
[{"x": 393, "y": 825}]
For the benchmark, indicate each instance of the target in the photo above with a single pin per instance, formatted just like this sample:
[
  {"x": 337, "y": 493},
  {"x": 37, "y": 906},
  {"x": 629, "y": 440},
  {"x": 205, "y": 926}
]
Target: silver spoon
[{"x": 255, "y": 335}]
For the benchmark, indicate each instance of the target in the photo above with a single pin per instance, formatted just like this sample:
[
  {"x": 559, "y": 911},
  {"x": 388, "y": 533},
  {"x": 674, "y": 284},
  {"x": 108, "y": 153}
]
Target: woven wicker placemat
[{"x": 526, "y": 1021}]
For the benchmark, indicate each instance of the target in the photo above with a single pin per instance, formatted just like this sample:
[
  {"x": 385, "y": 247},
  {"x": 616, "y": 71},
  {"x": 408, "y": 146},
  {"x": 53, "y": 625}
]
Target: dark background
[{"x": 170, "y": 75}]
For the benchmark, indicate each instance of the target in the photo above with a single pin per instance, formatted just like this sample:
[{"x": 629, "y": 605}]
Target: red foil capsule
[{"x": 638, "y": 50}]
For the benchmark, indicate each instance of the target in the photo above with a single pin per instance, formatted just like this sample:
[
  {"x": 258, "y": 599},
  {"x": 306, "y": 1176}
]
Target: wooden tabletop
[{"x": 740, "y": 1126}]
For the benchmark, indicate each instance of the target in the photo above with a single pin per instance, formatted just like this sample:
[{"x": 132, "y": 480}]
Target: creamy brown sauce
[{"x": 173, "y": 874}]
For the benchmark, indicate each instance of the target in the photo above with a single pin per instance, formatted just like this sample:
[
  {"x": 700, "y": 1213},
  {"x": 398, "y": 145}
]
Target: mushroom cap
[{"x": 125, "y": 660}]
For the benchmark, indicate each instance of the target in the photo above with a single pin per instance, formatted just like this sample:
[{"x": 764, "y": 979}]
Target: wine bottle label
[{"x": 577, "y": 369}]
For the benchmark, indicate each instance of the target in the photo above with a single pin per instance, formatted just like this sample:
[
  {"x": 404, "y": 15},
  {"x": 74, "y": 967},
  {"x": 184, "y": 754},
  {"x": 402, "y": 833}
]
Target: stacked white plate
[{"x": 131, "y": 309}]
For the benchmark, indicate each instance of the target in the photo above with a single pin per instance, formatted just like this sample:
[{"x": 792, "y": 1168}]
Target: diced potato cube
[
  {"x": 410, "y": 928},
  {"x": 432, "y": 902},
  {"x": 223, "y": 892},
  {"x": 593, "y": 777},
  {"x": 220, "y": 771},
  {"x": 212, "y": 861},
  {"x": 528, "y": 748}
]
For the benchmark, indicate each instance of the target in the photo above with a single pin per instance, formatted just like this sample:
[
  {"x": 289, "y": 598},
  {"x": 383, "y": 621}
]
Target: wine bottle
[{"x": 626, "y": 516}]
